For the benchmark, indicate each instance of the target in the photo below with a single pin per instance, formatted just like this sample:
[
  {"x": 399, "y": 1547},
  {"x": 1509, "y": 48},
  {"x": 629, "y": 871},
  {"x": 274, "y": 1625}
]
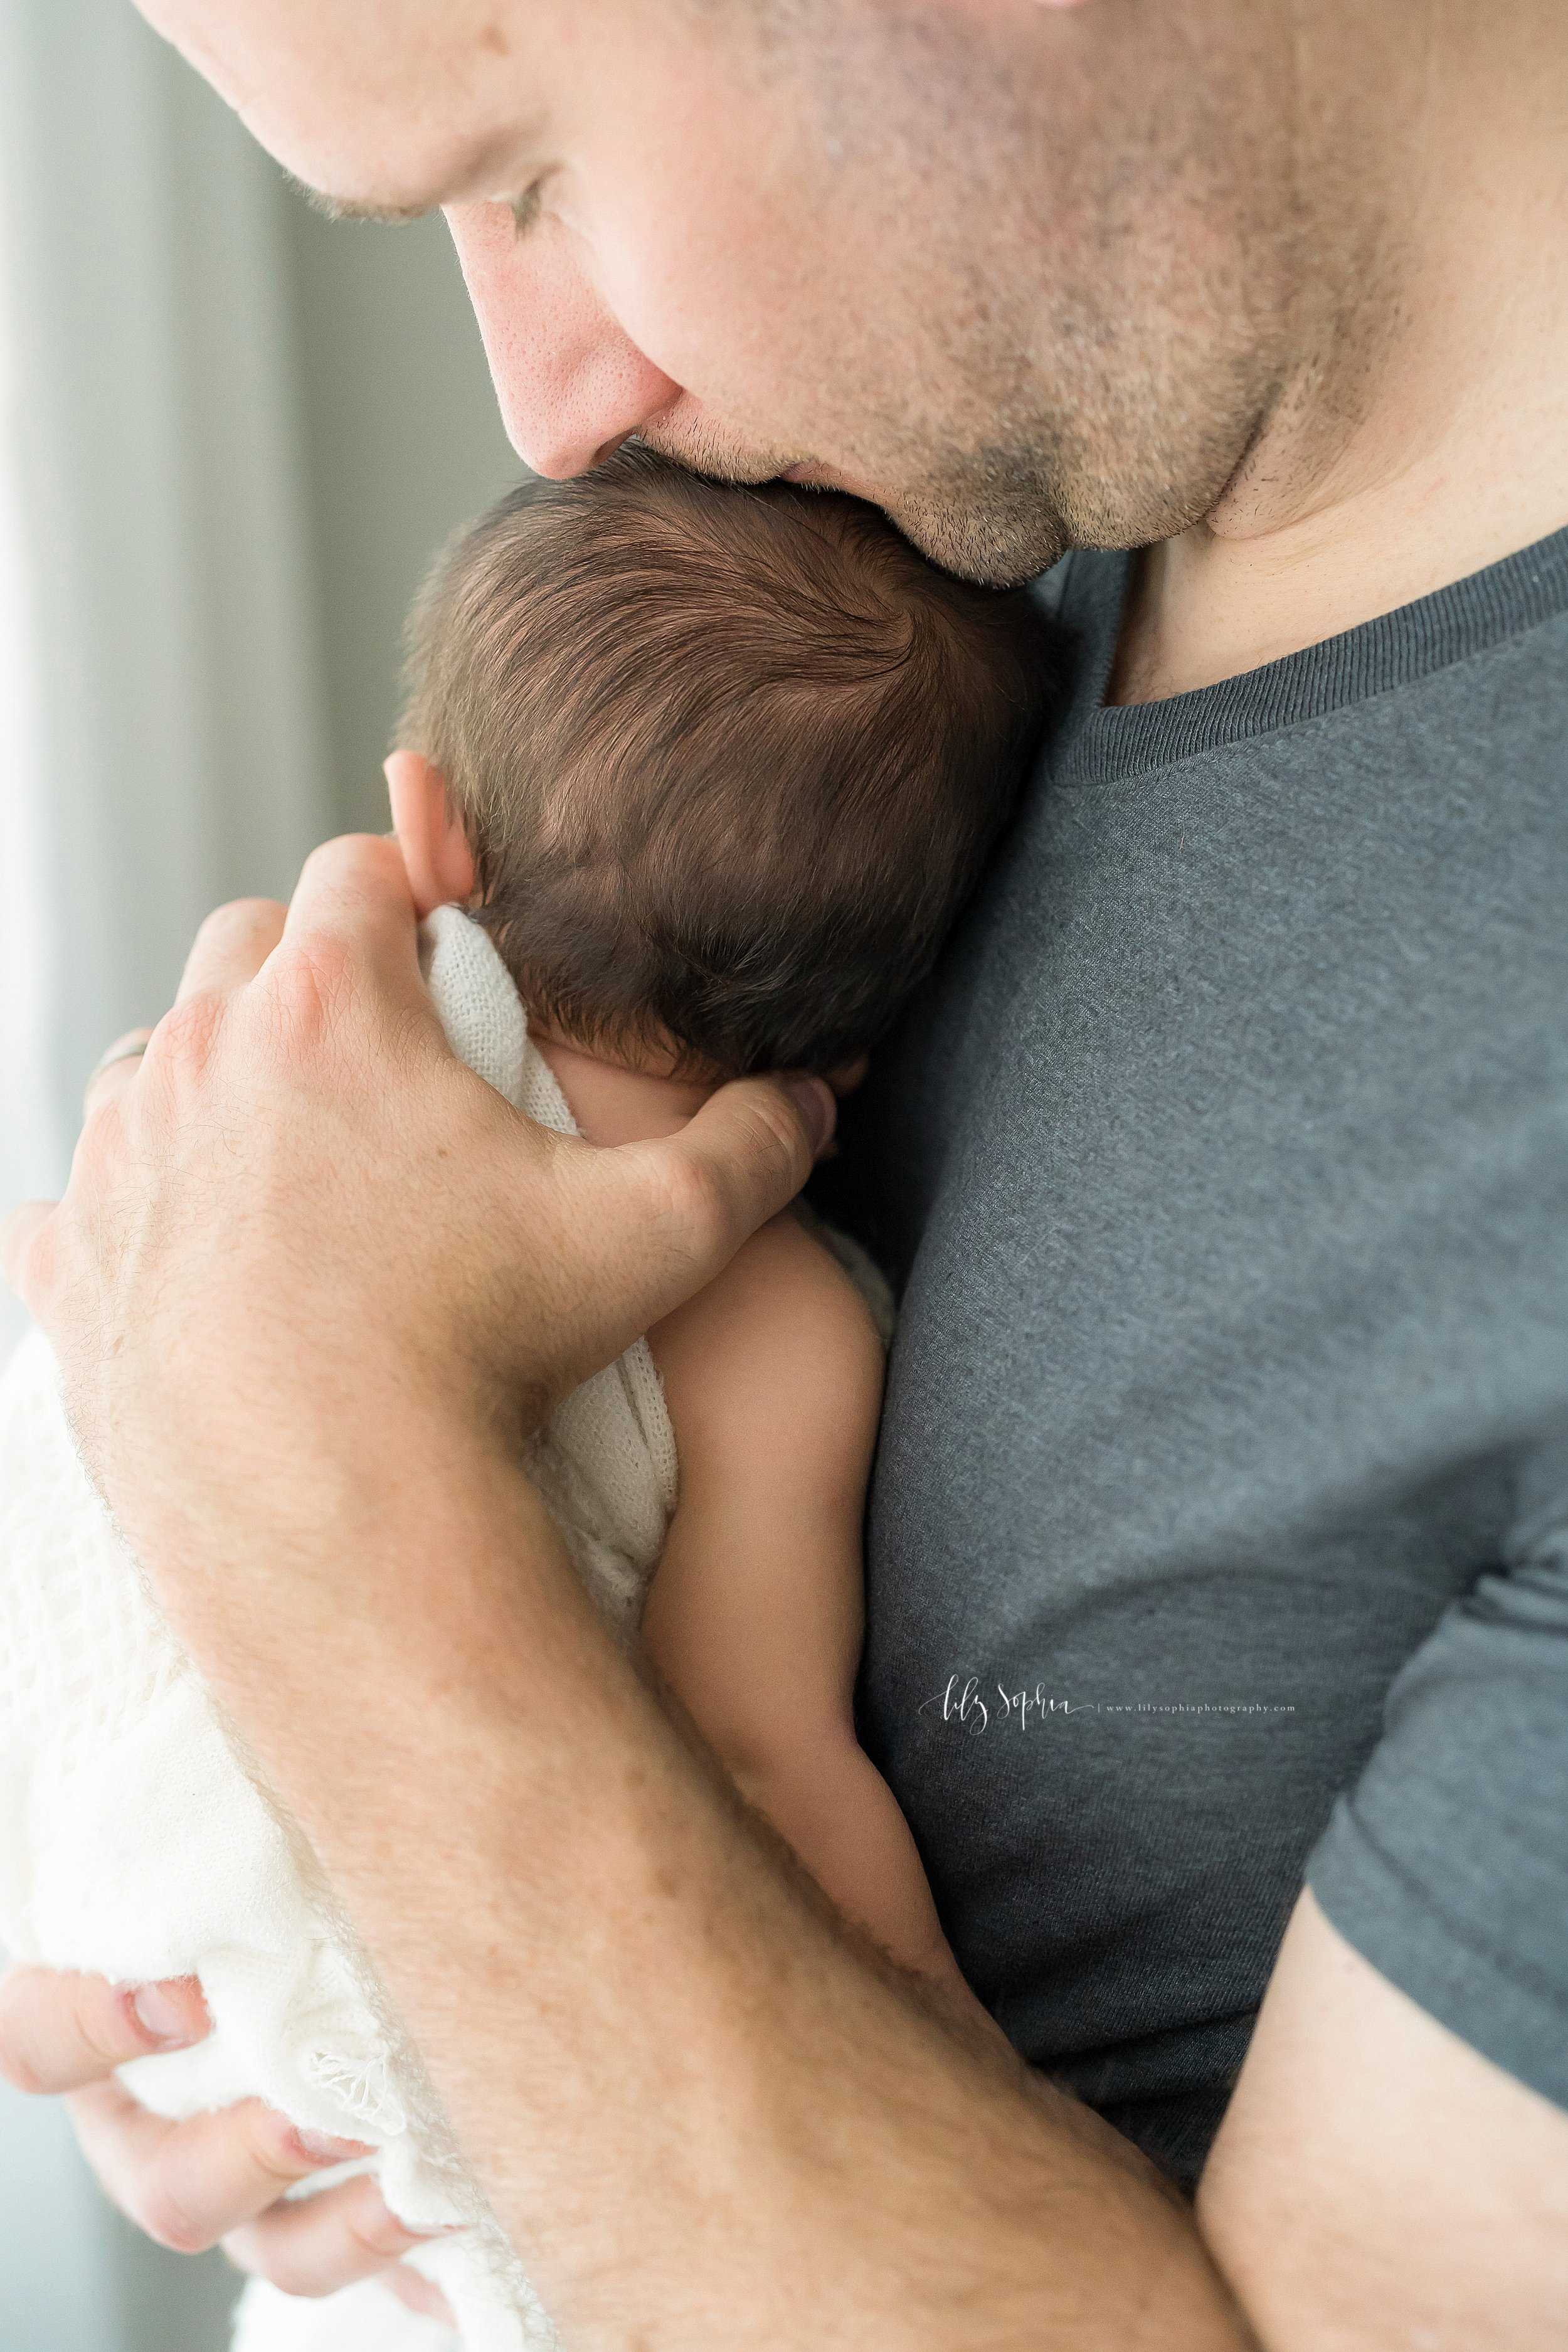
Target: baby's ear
[{"x": 430, "y": 833}]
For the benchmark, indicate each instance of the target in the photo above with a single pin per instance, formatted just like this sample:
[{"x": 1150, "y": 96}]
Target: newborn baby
[
  {"x": 712, "y": 770},
  {"x": 716, "y": 768}
]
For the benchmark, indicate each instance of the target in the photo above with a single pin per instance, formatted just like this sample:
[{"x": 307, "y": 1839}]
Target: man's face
[{"x": 1017, "y": 273}]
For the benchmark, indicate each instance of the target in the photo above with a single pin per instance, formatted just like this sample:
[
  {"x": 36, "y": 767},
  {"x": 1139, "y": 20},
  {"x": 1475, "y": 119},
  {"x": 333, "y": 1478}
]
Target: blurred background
[{"x": 231, "y": 436}]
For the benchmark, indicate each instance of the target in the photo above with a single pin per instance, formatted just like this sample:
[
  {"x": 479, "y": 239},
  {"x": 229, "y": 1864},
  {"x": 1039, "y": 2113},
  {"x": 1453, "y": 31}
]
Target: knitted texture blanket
[{"x": 137, "y": 1841}]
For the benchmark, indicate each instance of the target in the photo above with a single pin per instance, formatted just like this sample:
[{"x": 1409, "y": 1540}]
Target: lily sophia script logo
[{"x": 961, "y": 1702}]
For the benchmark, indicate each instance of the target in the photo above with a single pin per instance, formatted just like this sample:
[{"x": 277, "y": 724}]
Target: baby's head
[{"x": 727, "y": 759}]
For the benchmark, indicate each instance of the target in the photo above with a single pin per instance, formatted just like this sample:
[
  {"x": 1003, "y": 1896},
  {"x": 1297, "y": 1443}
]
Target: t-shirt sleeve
[{"x": 1447, "y": 1864}]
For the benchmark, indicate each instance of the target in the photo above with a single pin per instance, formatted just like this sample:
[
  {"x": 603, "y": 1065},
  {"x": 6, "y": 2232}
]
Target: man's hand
[
  {"x": 297, "y": 1212},
  {"x": 214, "y": 2179},
  {"x": 297, "y": 1223},
  {"x": 310, "y": 1282}
]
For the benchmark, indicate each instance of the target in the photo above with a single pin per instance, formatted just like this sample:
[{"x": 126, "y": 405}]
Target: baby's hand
[{"x": 214, "y": 2179}]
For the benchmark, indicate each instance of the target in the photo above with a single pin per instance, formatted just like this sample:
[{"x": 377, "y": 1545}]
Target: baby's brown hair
[{"x": 729, "y": 759}]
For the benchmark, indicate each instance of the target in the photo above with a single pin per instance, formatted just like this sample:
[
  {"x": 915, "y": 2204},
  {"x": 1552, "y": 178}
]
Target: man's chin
[
  {"x": 997, "y": 537},
  {"x": 995, "y": 541}
]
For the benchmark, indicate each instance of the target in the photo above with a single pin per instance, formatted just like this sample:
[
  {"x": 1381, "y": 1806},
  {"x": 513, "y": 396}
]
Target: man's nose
[{"x": 571, "y": 385}]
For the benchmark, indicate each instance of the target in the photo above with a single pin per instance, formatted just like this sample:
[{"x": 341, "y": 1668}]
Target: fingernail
[
  {"x": 421, "y": 2229},
  {"x": 320, "y": 2148},
  {"x": 163, "y": 2020},
  {"x": 815, "y": 1099}
]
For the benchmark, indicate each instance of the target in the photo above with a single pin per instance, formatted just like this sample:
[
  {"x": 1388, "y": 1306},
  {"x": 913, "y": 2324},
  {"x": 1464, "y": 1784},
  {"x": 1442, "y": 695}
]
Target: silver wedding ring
[
  {"x": 106, "y": 1062},
  {"x": 117, "y": 1054}
]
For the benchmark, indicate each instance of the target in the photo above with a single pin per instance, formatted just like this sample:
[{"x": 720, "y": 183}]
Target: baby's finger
[
  {"x": 231, "y": 947},
  {"x": 189, "y": 2184},
  {"x": 313, "y": 2245},
  {"x": 849, "y": 1075},
  {"x": 420, "y": 2293},
  {"x": 60, "y": 2030}
]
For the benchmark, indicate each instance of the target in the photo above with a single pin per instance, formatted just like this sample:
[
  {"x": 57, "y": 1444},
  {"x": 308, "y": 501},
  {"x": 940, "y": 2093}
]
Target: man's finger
[
  {"x": 115, "y": 1066},
  {"x": 189, "y": 2184},
  {"x": 688, "y": 1200},
  {"x": 353, "y": 895},
  {"x": 355, "y": 882},
  {"x": 16, "y": 1244},
  {"x": 59, "y": 2030},
  {"x": 313, "y": 2245},
  {"x": 231, "y": 947}
]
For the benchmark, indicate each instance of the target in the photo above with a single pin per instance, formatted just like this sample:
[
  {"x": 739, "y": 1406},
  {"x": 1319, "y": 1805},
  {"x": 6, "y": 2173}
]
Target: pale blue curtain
[{"x": 161, "y": 731}]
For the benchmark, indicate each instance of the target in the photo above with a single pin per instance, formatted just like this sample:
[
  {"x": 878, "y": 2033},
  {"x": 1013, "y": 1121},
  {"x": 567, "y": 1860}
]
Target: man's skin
[{"x": 1277, "y": 289}]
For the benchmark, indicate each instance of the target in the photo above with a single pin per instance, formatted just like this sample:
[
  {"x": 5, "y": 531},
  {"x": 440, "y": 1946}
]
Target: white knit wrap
[{"x": 136, "y": 1842}]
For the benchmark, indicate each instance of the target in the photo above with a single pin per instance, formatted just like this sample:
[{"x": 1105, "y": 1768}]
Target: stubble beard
[
  {"x": 1082, "y": 468},
  {"x": 1005, "y": 512},
  {"x": 1127, "y": 332},
  {"x": 1121, "y": 423}
]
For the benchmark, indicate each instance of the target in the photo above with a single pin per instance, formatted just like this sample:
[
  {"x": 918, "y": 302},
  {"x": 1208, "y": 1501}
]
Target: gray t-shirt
[{"x": 1219, "y": 1533}]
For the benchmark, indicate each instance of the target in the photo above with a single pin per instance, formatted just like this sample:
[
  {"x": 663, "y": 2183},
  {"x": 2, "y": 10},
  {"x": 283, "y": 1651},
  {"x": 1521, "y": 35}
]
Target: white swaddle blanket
[{"x": 136, "y": 1842}]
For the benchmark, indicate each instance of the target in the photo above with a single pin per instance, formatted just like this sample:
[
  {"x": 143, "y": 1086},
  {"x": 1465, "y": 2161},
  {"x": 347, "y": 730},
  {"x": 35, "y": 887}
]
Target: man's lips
[{"x": 817, "y": 477}]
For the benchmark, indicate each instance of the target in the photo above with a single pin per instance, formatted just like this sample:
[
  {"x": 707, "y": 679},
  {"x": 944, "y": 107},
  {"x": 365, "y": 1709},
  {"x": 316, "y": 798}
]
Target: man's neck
[{"x": 1433, "y": 441}]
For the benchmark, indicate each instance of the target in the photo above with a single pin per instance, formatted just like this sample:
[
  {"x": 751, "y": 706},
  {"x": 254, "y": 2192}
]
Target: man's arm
[
  {"x": 694, "y": 2094},
  {"x": 1377, "y": 2183},
  {"x": 311, "y": 1284},
  {"x": 689, "y": 2092}
]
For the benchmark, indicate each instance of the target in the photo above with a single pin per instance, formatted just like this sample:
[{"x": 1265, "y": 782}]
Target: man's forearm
[{"x": 688, "y": 2094}]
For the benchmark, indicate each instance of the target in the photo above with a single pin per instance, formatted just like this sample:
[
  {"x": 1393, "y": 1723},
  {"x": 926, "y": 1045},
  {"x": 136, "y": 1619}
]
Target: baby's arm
[{"x": 773, "y": 1380}]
